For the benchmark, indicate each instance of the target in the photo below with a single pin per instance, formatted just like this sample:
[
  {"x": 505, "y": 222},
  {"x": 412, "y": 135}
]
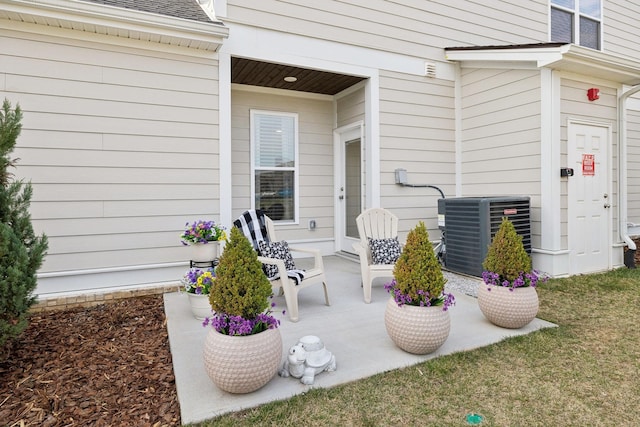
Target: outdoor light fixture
[{"x": 290, "y": 79}]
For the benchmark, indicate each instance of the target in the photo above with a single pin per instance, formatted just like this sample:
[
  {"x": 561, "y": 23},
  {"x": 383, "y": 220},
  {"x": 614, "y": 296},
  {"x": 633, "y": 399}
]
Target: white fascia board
[
  {"x": 567, "y": 57},
  {"x": 104, "y": 19},
  {"x": 533, "y": 56},
  {"x": 599, "y": 64},
  {"x": 277, "y": 46}
]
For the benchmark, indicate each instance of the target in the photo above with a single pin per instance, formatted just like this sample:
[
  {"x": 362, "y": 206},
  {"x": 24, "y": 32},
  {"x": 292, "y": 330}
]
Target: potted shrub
[
  {"x": 243, "y": 348},
  {"x": 197, "y": 284},
  {"x": 204, "y": 238},
  {"x": 508, "y": 297},
  {"x": 417, "y": 316}
]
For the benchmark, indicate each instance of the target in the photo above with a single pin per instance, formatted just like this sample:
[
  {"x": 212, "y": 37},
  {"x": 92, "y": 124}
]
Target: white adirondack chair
[
  {"x": 374, "y": 223},
  {"x": 285, "y": 283}
]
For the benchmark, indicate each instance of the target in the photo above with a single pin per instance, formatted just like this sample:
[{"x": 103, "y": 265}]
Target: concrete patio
[{"x": 352, "y": 330}]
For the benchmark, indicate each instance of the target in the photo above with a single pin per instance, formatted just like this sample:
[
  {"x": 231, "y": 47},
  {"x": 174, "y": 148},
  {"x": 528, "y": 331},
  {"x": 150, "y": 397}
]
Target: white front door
[
  {"x": 349, "y": 185},
  {"x": 589, "y": 197}
]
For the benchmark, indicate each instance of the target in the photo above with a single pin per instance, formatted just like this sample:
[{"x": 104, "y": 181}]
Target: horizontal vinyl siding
[
  {"x": 315, "y": 126},
  {"x": 350, "y": 108},
  {"x": 119, "y": 143},
  {"x": 501, "y": 136},
  {"x": 633, "y": 165},
  {"x": 620, "y": 23},
  {"x": 404, "y": 27},
  {"x": 416, "y": 134}
]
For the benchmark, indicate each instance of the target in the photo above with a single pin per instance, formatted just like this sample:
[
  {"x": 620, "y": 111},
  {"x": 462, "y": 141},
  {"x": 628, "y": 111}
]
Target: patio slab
[{"x": 352, "y": 330}]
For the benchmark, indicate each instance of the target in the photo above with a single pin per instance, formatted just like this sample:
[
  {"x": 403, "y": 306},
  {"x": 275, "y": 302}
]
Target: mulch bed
[{"x": 108, "y": 365}]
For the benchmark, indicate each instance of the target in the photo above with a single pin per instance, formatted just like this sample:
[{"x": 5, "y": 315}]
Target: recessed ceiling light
[{"x": 290, "y": 79}]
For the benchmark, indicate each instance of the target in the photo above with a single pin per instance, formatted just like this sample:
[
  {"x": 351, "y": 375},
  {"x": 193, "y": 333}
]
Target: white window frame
[
  {"x": 576, "y": 22},
  {"x": 253, "y": 146}
]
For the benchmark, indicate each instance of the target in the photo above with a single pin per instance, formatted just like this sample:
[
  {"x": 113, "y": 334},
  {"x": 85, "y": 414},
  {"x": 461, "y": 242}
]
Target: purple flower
[
  {"x": 239, "y": 326},
  {"x": 202, "y": 231},
  {"x": 523, "y": 280},
  {"x": 424, "y": 298}
]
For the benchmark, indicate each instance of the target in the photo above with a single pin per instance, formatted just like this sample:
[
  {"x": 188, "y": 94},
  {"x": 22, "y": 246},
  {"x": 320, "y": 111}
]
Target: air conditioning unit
[{"x": 469, "y": 224}]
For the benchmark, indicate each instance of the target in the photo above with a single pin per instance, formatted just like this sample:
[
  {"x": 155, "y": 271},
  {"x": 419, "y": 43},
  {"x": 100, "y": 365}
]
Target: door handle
[
  {"x": 607, "y": 205},
  {"x": 341, "y": 197}
]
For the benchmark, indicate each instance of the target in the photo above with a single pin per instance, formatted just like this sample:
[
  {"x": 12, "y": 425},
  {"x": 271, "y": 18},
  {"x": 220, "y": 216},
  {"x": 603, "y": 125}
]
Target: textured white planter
[
  {"x": 507, "y": 308},
  {"x": 242, "y": 364},
  {"x": 417, "y": 330},
  {"x": 200, "y": 306},
  {"x": 203, "y": 252}
]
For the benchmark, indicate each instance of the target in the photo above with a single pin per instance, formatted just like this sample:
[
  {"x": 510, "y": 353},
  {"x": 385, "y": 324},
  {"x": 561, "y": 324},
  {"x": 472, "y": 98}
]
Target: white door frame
[
  {"x": 603, "y": 173},
  {"x": 340, "y": 136}
]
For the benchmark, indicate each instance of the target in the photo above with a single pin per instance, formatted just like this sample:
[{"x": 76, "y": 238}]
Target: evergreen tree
[{"x": 21, "y": 251}]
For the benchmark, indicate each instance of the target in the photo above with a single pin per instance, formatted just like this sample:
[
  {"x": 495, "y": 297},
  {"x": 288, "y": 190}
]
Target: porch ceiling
[{"x": 266, "y": 74}]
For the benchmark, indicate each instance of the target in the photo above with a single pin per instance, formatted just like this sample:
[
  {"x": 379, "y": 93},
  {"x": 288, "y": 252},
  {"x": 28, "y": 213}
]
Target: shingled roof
[{"x": 185, "y": 9}]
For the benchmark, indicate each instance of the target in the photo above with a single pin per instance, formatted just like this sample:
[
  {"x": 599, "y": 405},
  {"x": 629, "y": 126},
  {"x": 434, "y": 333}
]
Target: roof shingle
[{"x": 185, "y": 9}]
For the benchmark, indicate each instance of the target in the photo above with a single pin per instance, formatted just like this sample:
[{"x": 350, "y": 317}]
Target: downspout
[{"x": 629, "y": 256}]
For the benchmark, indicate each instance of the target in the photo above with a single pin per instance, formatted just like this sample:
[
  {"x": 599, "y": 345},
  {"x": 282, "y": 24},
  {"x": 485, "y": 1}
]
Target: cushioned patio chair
[
  {"x": 378, "y": 247},
  {"x": 278, "y": 262}
]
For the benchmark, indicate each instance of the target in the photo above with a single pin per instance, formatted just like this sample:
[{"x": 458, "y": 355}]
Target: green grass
[{"x": 585, "y": 372}]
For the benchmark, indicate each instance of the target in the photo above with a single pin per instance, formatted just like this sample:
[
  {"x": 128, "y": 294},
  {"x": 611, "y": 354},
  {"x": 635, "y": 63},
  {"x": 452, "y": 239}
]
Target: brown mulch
[{"x": 108, "y": 365}]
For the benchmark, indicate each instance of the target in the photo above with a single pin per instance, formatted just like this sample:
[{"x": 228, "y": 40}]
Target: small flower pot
[
  {"x": 204, "y": 252},
  {"x": 417, "y": 330},
  {"x": 200, "y": 306},
  {"x": 242, "y": 364},
  {"x": 506, "y": 307}
]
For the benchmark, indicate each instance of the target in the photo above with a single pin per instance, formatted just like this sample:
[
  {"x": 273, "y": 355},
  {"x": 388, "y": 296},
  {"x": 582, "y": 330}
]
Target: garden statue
[{"x": 308, "y": 358}]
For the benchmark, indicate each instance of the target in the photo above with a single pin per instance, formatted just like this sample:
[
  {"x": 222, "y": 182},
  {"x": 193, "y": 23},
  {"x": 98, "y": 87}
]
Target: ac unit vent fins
[{"x": 470, "y": 224}]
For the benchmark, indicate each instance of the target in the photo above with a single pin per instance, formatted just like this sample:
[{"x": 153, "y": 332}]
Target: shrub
[
  {"x": 507, "y": 258},
  {"x": 240, "y": 296},
  {"x": 21, "y": 251},
  {"x": 418, "y": 278}
]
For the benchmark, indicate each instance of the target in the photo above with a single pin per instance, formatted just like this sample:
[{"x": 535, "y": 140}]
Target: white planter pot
[
  {"x": 242, "y": 364},
  {"x": 204, "y": 252},
  {"x": 200, "y": 306},
  {"x": 417, "y": 330},
  {"x": 507, "y": 308}
]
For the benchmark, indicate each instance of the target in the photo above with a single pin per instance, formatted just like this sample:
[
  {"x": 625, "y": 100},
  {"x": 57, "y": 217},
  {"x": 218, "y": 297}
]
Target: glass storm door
[{"x": 350, "y": 187}]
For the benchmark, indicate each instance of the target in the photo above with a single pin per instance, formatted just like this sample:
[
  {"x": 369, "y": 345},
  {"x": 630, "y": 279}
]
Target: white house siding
[
  {"x": 411, "y": 27},
  {"x": 417, "y": 129},
  {"x": 121, "y": 146},
  {"x": 315, "y": 130},
  {"x": 501, "y": 136},
  {"x": 350, "y": 108},
  {"x": 633, "y": 167},
  {"x": 620, "y": 20}
]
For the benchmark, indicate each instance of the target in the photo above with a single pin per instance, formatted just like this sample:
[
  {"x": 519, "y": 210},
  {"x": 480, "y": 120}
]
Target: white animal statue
[{"x": 308, "y": 358}]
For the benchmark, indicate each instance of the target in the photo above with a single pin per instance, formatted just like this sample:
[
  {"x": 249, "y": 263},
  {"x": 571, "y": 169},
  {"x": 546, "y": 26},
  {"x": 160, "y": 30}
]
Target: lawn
[{"x": 585, "y": 372}]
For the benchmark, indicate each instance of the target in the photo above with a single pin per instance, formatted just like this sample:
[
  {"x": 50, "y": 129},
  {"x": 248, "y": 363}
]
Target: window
[
  {"x": 274, "y": 148},
  {"x": 577, "y": 21}
]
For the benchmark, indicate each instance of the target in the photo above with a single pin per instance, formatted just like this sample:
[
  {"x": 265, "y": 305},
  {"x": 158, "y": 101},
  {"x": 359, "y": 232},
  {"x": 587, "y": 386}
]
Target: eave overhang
[
  {"x": 562, "y": 57},
  {"x": 118, "y": 22}
]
